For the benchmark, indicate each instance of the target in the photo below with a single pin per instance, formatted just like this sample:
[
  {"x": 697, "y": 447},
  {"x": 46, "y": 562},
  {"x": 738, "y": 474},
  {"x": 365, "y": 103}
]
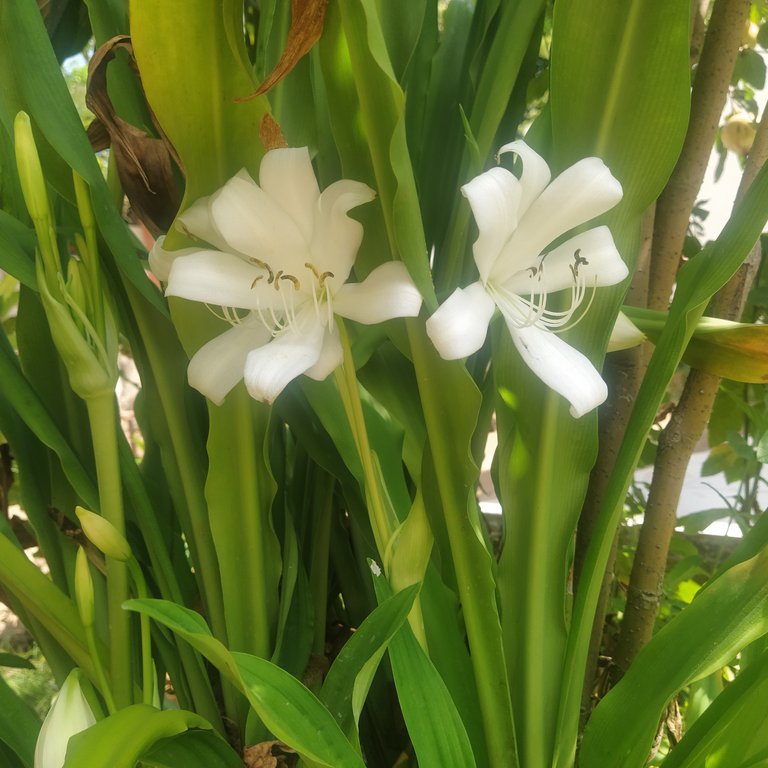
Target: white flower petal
[
  {"x": 560, "y": 367},
  {"x": 387, "y": 292},
  {"x": 535, "y": 175},
  {"x": 336, "y": 236},
  {"x": 599, "y": 264},
  {"x": 197, "y": 222},
  {"x": 221, "y": 279},
  {"x": 331, "y": 357},
  {"x": 220, "y": 364},
  {"x": 160, "y": 259},
  {"x": 579, "y": 194},
  {"x": 459, "y": 326},
  {"x": 253, "y": 224},
  {"x": 269, "y": 369},
  {"x": 287, "y": 176},
  {"x": 69, "y": 715},
  {"x": 494, "y": 197}
]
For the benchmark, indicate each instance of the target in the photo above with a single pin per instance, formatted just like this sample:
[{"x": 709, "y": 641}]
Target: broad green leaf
[
  {"x": 349, "y": 678},
  {"x": 122, "y": 738},
  {"x": 191, "y": 749},
  {"x": 294, "y": 714},
  {"x": 19, "y": 724},
  {"x": 285, "y": 706},
  {"x": 179, "y": 47},
  {"x": 725, "y": 617},
  {"x": 434, "y": 724},
  {"x": 620, "y": 90}
]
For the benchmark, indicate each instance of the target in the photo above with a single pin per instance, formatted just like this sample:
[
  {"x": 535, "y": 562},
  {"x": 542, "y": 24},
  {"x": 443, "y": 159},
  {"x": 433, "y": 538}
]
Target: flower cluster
[{"x": 281, "y": 253}]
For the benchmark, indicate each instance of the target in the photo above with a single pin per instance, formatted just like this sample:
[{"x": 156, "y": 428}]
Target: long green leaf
[
  {"x": 724, "y": 618},
  {"x": 285, "y": 706},
  {"x": 434, "y": 724},
  {"x": 735, "y": 723}
]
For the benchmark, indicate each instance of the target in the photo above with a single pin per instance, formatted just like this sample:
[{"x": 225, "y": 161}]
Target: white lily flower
[
  {"x": 518, "y": 220},
  {"x": 69, "y": 715},
  {"x": 282, "y": 251}
]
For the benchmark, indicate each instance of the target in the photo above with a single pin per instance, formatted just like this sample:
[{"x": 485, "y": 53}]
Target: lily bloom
[
  {"x": 518, "y": 220},
  {"x": 69, "y": 715},
  {"x": 279, "y": 258}
]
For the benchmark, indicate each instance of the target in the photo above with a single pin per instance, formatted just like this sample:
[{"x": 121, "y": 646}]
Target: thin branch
[{"x": 676, "y": 446}]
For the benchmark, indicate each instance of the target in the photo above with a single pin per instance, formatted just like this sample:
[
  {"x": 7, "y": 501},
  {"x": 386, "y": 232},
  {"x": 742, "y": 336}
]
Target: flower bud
[
  {"x": 84, "y": 588},
  {"x": 69, "y": 715},
  {"x": 30, "y": 171},
  {"x": 90, "y": 368},
  {"x": 104, "y": 535}
]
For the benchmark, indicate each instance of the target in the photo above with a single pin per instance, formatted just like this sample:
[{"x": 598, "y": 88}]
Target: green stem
[
  {"x": 346, "y": 380},
  {"x": 104, "y": 687},
  {"x": 147, "y": 685},
  {"x": 102, "y": 415}
]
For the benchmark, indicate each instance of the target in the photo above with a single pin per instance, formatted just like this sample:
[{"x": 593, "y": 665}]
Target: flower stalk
[
  {"x": 382, "y": 516},
  {"x": 85, "y": 336}
]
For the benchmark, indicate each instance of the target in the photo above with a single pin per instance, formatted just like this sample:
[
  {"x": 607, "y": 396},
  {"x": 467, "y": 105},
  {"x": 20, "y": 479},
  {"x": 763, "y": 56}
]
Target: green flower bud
[
  {"x": 104, "y": 535},
  {"x": 91, "y": 370},
  {"x": 30, "y": 170},
  {"x": 84, "y": 588}
]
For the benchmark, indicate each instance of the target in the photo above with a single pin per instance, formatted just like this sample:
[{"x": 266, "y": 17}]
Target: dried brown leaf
[
  {"x": 145, "y": 164},
  {"x": 307, "y": 20},
  {"x": 269, "y": 754}
]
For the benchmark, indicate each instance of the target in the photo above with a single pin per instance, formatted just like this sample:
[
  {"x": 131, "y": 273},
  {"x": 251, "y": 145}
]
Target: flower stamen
[{"x": 265, "y": 267}]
